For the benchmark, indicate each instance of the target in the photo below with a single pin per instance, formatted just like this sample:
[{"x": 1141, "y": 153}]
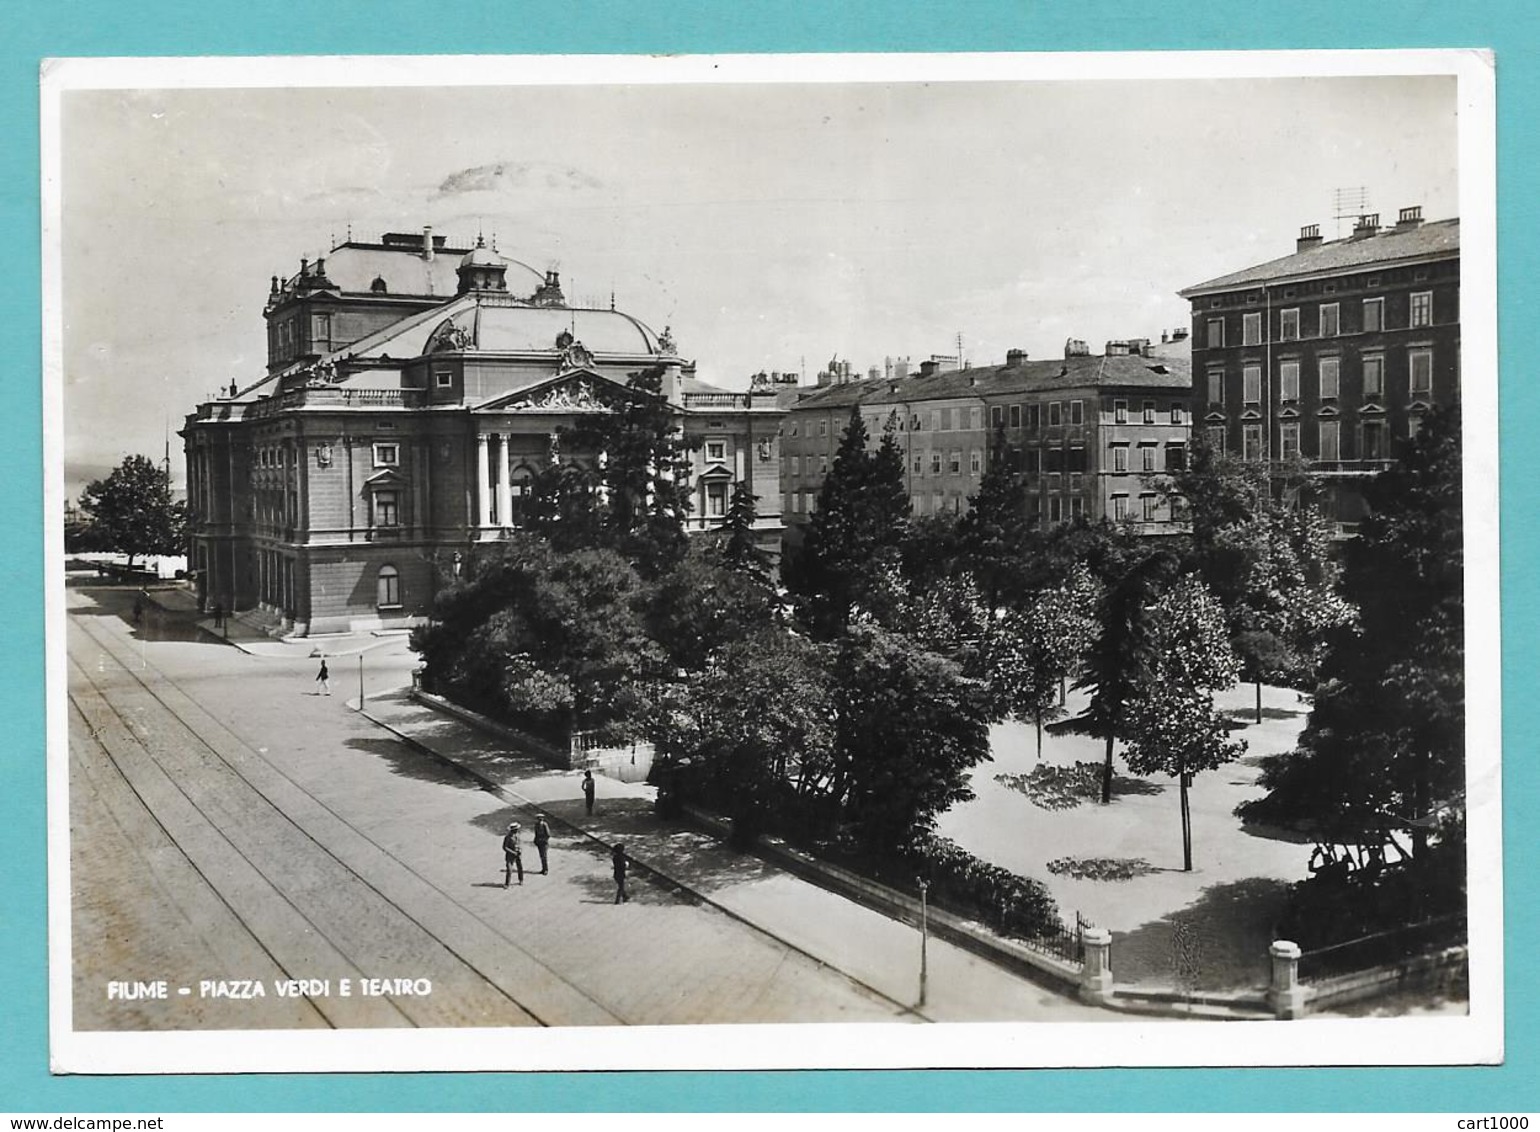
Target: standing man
[
  {"x": 620, "y": 862},
  {"x": 542, "y": 840},
  {"x": 513, "y": 859},
  {"x": 588, "y": 791},
  {"x": 323, "y": 678}
]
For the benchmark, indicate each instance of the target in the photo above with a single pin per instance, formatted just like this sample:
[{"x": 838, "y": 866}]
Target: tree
[
  {"x": 910, "y": 726},
  {"x": 132, "y": 510},
  {"x": 764, "y": 732},
  {"x": 995, "y": 533},
  {"x": 1121, "y": 653},
  {"x": 1264, "y": 549},
  {"x": 554, "y": 640},
  {"x": 1383, "y": 751},
  {"x": 740, "y": 550},
  {"x": 621, "y": 482},
  {"x": 703, "y": 604},
  {"x": 1173, "y": 727},
  {"x": 851, "y": 551},
  {"x": 1031, "y": 649}
]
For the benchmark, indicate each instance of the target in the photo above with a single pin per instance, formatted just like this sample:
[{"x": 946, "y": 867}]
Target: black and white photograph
[{"x": 772, "y": 562}]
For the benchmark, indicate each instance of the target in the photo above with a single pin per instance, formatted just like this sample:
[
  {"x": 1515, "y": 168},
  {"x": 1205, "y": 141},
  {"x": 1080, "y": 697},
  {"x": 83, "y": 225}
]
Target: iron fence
[
  {"x": 1063, "y": 942},
  {"x": 1382, "y": 948}
]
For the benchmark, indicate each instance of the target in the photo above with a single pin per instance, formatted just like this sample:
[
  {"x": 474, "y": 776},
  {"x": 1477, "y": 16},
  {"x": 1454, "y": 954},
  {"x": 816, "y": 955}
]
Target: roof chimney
[
  {"x": 427, "y": 243},
  {"x": 1076, "y": 348},
  {"x": 1367, "y": 225},
  {"x": 1309, "y": 237},
  {"x": 1015, "y": 358},
  {"x": 929, "y": 367},
  {"x": 1409, "y": 218}
]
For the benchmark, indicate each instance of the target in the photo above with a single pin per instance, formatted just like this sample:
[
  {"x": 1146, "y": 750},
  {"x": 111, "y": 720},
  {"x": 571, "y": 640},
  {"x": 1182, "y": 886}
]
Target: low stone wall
[
  {"x": 546, "y": 752},
  {"x": 1440, "y": 970}
]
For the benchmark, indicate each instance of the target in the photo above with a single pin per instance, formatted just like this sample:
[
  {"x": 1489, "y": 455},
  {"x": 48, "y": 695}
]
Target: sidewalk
[{"x": 867, "y": 946}]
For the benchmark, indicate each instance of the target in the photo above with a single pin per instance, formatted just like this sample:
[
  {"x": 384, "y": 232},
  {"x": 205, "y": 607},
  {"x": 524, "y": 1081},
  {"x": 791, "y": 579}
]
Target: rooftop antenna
[
  {"x": 165, "y": 460},
  {"x": 1349, "y": 204},
  {"x": 959, "y": 350}
]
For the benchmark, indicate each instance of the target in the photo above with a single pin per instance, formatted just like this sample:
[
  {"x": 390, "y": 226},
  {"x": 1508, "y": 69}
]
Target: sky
[{"x": 772, "y": 226}]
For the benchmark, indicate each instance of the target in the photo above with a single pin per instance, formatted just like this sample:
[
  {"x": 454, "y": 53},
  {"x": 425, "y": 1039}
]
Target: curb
[{"x": 512, "y": 797}]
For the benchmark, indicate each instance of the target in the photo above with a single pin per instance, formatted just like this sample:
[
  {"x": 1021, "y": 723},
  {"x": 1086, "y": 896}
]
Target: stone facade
[{"x": 397, "y": 429}]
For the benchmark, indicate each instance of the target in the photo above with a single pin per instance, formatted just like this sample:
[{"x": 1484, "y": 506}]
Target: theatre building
[{"x": 413, "y": 392}]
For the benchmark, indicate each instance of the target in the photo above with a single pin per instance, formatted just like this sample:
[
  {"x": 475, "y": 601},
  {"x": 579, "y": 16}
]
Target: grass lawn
[{"x": 1120, "y": 865}]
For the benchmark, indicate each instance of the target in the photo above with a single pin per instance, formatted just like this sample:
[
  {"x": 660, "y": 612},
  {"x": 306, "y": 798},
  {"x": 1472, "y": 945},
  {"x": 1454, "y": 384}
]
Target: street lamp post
[
  {"x": 360, "y": 681},
  {"x": 924, "y": 938}
]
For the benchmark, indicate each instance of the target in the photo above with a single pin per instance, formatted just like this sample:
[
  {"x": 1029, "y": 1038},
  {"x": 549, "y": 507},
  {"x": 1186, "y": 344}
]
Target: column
[
  {"x": 1285, "y": 994},
  {"x": 1096, "y": 976},
  {"x": 483, "y": 489},
  {"x": 504, "y": 505}
]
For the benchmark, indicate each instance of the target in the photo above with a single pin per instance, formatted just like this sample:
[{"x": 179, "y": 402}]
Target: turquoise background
[{"x": 34, "y": 30}]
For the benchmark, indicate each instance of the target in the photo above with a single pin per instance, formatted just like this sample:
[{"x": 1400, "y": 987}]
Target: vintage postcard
[{"x": 566, "y": 563}]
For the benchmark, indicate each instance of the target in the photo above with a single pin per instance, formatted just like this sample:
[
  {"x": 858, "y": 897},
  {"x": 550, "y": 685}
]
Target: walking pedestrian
[
  {"x": 588, "y": 791},
  {"x": 513, "y": 859},
  {"x": 542, "y": 842},
  {"x": 620, "y": 862},
  {"x": 323, "y": 678}
]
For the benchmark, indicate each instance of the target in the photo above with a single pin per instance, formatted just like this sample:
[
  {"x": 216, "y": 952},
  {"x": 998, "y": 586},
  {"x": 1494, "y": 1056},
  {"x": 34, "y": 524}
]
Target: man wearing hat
[{"x": 512, "y": 859}]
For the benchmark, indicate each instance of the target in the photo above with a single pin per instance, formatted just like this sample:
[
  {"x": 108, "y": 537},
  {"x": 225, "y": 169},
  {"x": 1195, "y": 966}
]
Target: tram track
[{"x": 197, "y": 769}]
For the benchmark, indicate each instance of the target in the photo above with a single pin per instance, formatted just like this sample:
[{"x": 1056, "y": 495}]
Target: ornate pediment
[
  {"x": 578, "y": 392},
  {"x": 448, "y": 337}
]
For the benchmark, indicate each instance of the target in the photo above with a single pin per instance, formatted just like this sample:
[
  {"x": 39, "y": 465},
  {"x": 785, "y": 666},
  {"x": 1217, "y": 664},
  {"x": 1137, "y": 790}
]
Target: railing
[
  {"x": 1065, "y": 942},
  {"x": 1382, "y": 948},
  {"x": 342, "y": 398}
]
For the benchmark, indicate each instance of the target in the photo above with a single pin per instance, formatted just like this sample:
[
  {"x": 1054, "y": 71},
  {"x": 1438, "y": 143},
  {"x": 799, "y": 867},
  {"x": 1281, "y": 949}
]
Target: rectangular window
[
  {"x": 716, "y": 500},
  {"x": 1331, "y": 369},
  {"x": 1055, "y": 509},
  {"x": 793, "y": 431},
  {"x": 1422, "y": 308},
  {"x": 935, "y": 420},
  {"x": 996, "y": 416},
  {"x": 1120, "y": 412},
  {"x": 1176, "y": 457},
  {"x": 1120, "y": 457},
  {"x": 1149, "y": 412},
  {"x": 1374, "y": 315},
  {"x": 385, "y": 509},
  {"x": 1053, "y": 460},
  {"x": 973, "y": 418},
  {"x": 1216, "y": 333},
  {"x": 1077, "y": 481},
  {"x": 1055, "y": 414},
  {"x": 1251, "y": 382},
  {"x": 1119, "y": 508},
  {"x": 1147, "y": 457},
  {"x": 443, "y": 378},
  {"x": 1288, "y": 381},
  {"x": 387, "y": 455},
  {"x": 1251, "y": 329},
  {"x": 1330, "y": 321},
  {"x": 946, "y": 420},
  {"x": 919, "y": 464},
  {"x": 1373, "y": 440},
  {"x": 1216, "y": 387},
  {"x": 916, "y": 424},
  {"x": 1176, "y": 413},
  {"x": 1077, "y": 412},
  {"x": 823, "y": 465},
  {"x": 796, "y": 465},
  {"x": 1251, "y": 442},
  {"x": 1032, "y": 460},
  {"x": 1420, "y": 363},
  {"x": 954, "y": 461},
  {"x": 1374, "y": 376},
  {"x": 716, "y": 451},
  {"x": 1147, "y": 508},
  {"x": 1288, "y": 440},
  {"x": 823, "y": 427},
  {"x": 1034, "y": 417},
  {"x": 937, "y": 502},
  {"x": 1015, "y": 416},
  {"x": 1288, "y": 325},
  {"x": 1077, "y": 508},
  {"x": 975, "y": 461},
  {"x": 1330, "y": 433},
  {"x": 1076, "y": 457},
  {"x": 935, "y": 462}
]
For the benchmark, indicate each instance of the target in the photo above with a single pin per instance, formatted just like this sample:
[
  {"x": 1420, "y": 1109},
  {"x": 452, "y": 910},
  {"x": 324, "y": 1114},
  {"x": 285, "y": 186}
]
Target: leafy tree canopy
[{"x": 132, "y": 511}]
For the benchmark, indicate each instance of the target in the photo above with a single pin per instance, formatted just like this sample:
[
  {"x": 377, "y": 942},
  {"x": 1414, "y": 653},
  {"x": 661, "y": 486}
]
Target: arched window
[{"x": 388, "y": 587}]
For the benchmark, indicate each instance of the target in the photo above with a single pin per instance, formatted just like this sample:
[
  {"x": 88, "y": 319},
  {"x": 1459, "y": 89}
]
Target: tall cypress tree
[{"x": 995, "y": 533}]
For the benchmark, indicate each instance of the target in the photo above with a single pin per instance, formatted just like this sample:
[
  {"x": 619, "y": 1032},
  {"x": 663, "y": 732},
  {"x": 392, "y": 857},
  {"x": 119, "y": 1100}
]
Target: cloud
[{"x": 515, "y": 176}]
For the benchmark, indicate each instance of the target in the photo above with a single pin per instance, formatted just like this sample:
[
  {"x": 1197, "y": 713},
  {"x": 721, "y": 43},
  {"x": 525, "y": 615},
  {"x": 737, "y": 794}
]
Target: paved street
[{"x": 230, "y": 823}]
